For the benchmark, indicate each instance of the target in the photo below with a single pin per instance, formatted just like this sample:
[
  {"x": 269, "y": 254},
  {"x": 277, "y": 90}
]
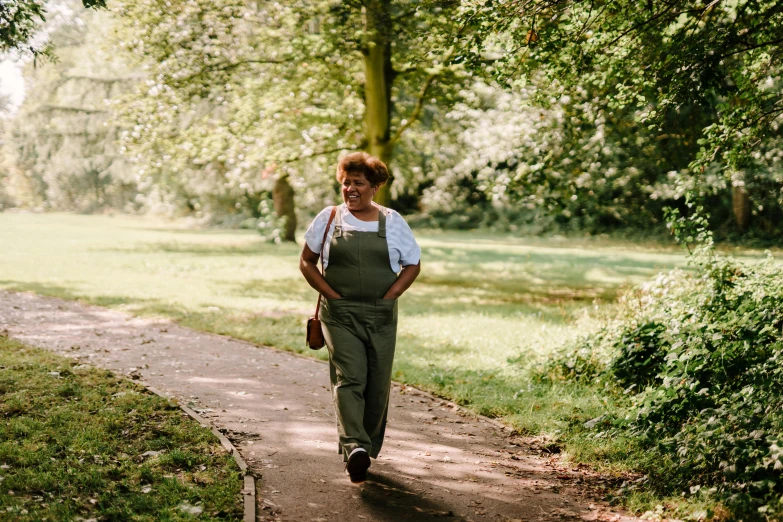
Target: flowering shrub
[{"x": 699, "y": 355}]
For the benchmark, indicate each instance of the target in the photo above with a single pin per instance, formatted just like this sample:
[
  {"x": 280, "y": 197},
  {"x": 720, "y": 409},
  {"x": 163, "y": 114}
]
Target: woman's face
[{"x": 357, "y": 192}]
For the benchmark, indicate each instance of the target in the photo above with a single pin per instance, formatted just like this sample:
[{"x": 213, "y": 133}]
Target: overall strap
[
  {"x": 382, "y": 221},
  {"x": 338, "y": 222}
]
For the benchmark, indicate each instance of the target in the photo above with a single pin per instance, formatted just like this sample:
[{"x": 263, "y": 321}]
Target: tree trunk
[
  {"x": 283, "y": 198},
  {"x": 740, "y": 203},
  {"x": 378, "y": 79}
]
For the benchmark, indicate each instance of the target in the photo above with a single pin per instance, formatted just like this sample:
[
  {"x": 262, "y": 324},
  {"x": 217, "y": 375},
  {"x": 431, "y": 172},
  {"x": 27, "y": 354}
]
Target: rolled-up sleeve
[{"x": 402, "y": 243}]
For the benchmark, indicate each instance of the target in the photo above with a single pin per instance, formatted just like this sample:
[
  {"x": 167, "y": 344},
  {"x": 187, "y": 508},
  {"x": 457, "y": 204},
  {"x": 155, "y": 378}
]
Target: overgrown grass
[{"x": 79, "y": 443}]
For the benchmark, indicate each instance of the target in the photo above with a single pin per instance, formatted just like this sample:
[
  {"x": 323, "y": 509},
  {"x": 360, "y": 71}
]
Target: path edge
[
  {"x": 249, "y": 480},
  {"x": 302, "y": 355}
]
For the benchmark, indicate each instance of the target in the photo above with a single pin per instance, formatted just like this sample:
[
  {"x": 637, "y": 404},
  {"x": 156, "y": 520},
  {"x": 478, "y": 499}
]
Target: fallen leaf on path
[
  {"x": 150, "y": 454},
  {"x": 190, "y": 509}
]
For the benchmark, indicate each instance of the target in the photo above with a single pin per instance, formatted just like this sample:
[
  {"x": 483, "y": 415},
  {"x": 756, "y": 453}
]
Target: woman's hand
[
  {"x": 407, "y": 276},
  {"x": 308, "y": 265}
]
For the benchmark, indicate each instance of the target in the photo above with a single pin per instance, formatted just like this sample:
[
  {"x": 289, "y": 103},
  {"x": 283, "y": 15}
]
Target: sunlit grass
[
  {"x": 74, "y": 443},
  {"x": 485, "y": 308}
]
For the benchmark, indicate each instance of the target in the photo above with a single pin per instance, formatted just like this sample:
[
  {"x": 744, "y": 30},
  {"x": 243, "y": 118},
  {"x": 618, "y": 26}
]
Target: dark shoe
[{"x": 357, "y": 465}]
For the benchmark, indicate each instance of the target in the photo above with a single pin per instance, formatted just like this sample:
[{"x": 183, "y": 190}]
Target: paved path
[{"x": 438, "y": 463}]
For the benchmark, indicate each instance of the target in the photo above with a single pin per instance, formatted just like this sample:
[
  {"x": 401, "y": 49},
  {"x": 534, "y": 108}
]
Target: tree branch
[
  {"x": 416, "y": 110},
  {"x": 227, "y": 66},
  {"x": 420, "y": 99},
  {"x": 66, "y": 108},
  {"x": 640, "y": 25},
  {"x": 751, "y": 47},
  {"x": 103, "y": 80},
  {"x": 301, "y": 157}
]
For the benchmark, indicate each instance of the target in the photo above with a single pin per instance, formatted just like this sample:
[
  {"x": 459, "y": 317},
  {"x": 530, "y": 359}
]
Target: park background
[{"x": 167, "y": 155}]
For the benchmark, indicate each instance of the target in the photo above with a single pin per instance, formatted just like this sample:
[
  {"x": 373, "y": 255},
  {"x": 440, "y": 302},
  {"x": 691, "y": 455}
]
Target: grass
[
  {"x": 73, "y": 441},
  {"x": 484, "y": 311}
]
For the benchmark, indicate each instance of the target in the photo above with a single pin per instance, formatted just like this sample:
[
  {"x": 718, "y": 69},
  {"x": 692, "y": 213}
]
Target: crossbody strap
[{"x": 323, "y": 244}]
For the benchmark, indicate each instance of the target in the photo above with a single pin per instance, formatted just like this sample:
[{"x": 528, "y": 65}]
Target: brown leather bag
[{"x": 315, "y": 336}]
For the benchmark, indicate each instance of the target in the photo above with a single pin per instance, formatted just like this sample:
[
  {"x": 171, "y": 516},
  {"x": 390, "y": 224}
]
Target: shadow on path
[{"x": 437, "y": 463}]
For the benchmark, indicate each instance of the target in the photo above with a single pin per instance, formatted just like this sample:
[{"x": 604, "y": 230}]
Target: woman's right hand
[{"x": 308, "y": 265}]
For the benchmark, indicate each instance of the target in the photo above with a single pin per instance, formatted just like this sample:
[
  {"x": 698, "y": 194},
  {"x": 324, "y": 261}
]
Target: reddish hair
[{"x": 362, "y": 163}]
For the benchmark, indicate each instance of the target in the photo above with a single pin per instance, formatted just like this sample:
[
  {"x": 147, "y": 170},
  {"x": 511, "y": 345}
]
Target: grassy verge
[{"x": 79, "y": 443}]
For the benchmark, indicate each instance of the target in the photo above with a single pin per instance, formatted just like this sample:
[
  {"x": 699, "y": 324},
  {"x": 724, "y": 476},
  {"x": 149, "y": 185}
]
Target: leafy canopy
[
  {"x": 662, "y": 55},
  {"x": 239, "y": 91},
  {"x": 20, "y": 20}
]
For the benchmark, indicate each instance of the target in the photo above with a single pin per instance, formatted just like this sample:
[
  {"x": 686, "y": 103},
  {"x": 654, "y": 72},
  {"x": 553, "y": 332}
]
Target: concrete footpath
[{"x": 438, "y": 463}]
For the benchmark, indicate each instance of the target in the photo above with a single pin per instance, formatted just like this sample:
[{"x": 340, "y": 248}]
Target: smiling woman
[{"x": 370, "y": 258}]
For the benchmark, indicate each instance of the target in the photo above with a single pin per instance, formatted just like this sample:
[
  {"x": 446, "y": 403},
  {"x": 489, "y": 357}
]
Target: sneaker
[{"x": 357, "y": 465}]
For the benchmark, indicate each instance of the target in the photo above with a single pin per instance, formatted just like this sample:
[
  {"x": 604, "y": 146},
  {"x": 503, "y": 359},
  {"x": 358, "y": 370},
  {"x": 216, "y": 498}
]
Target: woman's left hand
[{"x": 407, "y": 276}]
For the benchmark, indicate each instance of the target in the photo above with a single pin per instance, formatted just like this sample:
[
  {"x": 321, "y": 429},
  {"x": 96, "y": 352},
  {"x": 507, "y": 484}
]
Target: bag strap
[{"x": 323, "y": 244}]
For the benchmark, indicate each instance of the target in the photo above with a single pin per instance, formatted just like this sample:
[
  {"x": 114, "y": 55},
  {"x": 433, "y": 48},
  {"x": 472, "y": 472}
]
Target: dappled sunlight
[
  {"x": 504, "y": 246},
  {"x": 277, "y": 410},
  {"x": 214, "y": 381}
]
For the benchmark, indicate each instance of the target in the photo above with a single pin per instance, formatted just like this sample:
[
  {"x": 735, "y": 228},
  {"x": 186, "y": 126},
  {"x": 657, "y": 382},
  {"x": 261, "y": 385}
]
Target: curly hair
[{"x": 362, "y": 163}]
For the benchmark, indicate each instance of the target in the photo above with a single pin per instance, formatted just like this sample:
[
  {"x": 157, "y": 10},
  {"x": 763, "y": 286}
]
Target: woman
[{"x": 370, "y": 258}]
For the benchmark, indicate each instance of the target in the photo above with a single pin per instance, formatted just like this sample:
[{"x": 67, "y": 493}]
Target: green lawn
[
  {"x": 78, "y": 443},
  {"x": 483, "y": 310}
]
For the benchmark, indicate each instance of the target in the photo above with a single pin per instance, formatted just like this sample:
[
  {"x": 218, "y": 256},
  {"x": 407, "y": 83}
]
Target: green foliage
[
  {"x": 61, "y": 148},
  {"x": 269, "y": 224},
  {"x": 661, "y": 55},
  {"x": 698, "y": 356},
  {"x": 707, "y": 74},
  {"x": 547, "y": 156},
  {"x": 21, "y": 20},
  {"x": 239, "y": 94}
]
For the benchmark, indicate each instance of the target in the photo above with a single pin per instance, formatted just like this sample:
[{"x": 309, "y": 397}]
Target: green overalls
[{"x": 360, "y": 331}]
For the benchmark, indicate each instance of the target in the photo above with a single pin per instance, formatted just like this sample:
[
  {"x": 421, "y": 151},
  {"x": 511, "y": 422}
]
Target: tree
[
  {"x": 21, "y": 20},
  {"x": 665, "y": 56},
  {"x": 566, "y": 163},
  {"x": 62, "y": 143},
  {"x": 287, "y": 83},
  {"x": 6, "y": 200}
]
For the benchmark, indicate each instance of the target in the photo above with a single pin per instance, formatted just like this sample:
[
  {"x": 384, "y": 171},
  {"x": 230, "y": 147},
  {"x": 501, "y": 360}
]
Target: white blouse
[{"x": 403, "y": 249}]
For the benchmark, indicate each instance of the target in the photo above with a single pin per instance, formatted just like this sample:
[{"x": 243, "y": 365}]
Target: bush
[{"x": 699, "y": 355}]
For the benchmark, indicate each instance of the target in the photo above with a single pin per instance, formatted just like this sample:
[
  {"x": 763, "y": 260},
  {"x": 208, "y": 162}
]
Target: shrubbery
[{"x": 699, "y": 355}]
